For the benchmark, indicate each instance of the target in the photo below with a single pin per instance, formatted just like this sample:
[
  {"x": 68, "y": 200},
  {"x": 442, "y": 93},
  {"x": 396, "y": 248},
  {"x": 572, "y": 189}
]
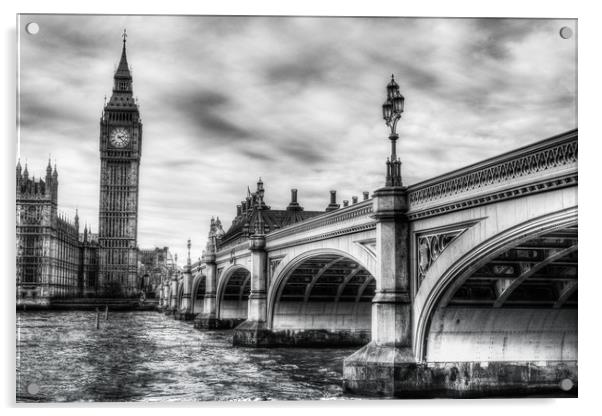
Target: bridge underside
[
  {"x": 520, "y": 306},
  {"x": 324, "y": 301},
  {"x": 233, "y": 306},
  {"x": 198, "y": 295},
  {"x": 507, "y": 327}
]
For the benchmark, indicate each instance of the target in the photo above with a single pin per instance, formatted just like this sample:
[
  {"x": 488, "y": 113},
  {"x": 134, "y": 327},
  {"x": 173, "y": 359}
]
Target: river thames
[{"x": 147, "y": 356}]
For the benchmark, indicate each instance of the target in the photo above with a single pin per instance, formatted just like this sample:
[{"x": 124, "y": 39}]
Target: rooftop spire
[
  {"x": 123, "y": 70},
  {"x": 48, "y": 170}
]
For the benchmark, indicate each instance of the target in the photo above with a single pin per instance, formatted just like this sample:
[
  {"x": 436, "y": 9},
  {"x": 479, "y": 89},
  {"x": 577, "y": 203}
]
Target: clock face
[{"x": 119, "y": 137}]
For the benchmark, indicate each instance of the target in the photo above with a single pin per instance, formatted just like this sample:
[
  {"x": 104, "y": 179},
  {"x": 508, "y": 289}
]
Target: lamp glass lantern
[
  {"x": 398, "y": 101},
  {"x": 392, "y": 88},
  {"x": 387, "y": 110}
]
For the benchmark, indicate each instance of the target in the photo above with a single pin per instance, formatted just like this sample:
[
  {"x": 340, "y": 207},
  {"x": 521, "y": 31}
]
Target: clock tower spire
[
  {"x": 120, "y": 152},
  {"x": 123, "y": 76}
]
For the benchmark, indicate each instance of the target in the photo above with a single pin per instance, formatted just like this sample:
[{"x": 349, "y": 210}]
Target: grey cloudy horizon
[{"x": 296, "y": 101}]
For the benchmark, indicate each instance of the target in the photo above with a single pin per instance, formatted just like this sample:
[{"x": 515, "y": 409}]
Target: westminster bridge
[{"x": 461, "y": 285}]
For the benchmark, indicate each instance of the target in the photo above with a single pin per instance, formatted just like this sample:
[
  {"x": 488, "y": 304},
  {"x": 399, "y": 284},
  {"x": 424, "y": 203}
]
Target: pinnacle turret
[
  {"x": 19, "y": 173},
  {"x": 48, "y": 175}
]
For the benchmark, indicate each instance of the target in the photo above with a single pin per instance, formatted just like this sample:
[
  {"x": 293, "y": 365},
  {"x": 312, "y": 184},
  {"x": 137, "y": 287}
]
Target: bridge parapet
[
  {"x": 229, "y": 253},
  {"x": 550, "y": 163},
  {"x": 197, "y": 267},
  {"x": 352, "y": 219}
]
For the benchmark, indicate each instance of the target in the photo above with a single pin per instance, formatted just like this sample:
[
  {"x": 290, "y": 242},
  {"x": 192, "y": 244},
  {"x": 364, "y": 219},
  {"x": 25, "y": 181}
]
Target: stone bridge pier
[
  {"x": 207, "y": 319},
  {"x": 185, "y": 310},
  {"x": 385, "y": 365},
  {"x": 254, "y": 331},
  {"x": 173, "y": 295}
]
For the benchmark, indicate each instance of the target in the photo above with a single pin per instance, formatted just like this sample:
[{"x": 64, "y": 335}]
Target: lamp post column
[{"x": 384, "y": 366}]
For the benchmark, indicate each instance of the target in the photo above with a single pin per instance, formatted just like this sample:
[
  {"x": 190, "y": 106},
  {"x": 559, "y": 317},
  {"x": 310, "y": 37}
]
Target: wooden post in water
[
  {"x": 106, "y": 312},
  {"x": 97, "y": 319}
]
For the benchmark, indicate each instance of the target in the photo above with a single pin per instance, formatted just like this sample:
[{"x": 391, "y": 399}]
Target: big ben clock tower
[{"x": 120, "y": 150}]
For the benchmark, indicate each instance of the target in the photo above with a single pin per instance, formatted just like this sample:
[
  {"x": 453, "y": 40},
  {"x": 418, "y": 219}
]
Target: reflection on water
[{"x": 146, "y": 356}]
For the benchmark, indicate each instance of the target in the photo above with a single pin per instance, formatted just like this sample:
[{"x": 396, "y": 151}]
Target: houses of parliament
[{"x": 56, "y": 258}]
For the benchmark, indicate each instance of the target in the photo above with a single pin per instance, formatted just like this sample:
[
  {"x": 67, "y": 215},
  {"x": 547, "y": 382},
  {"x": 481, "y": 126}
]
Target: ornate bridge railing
[{"x": 551, "y": 163}]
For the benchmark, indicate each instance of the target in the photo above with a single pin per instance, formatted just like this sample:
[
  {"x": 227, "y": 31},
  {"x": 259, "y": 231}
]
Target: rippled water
[{"x": 146, "y": 356}]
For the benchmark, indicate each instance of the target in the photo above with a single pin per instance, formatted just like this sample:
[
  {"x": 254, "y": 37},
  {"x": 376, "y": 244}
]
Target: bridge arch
[
  {"x": 233, "y": 289},
  {"x": 472, "y": 301},
  {"x": 323, "y": 290},
  {"x": 198, "y": 292}
]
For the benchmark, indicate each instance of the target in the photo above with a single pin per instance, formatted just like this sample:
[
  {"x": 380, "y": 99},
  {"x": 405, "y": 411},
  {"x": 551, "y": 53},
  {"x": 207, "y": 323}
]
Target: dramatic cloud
[{"x": 296, "y": 101}]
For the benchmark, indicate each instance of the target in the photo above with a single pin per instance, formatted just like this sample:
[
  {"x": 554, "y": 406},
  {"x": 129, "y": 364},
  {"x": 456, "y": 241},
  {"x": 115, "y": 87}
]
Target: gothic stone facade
[
  {"x": 55, "y": 260},
  {"x": 155, "y": 265}
]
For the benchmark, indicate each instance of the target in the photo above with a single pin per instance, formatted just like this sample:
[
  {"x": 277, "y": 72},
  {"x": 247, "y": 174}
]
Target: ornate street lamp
[{"x": 392, "y": 109}]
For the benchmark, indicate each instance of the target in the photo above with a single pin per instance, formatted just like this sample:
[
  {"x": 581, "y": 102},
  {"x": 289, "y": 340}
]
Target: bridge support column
[
  {"x": 208, "y": 318},
  {"x": 184, "y": 313},
  {"x": 161, "y": 304},
  {"x": 385, "y": 366},
  {"x": 166, "y": 294},
  {"x": 173, "y": 295},
  {"x": 254, "y": 331}
]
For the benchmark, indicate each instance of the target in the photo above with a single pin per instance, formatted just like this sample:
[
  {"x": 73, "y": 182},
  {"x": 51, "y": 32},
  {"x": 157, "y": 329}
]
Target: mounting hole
[
  {"x": 32, "y": 28},
  {"x": 33, "y": 389},
  {"x": 566, "y": 32},
  {"x": 566, "y": 384}
]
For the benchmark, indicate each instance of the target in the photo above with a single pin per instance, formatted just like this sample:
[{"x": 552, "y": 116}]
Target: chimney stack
[
  {"x": 333, "y": 202},
  {"x": 354, "y": 200},
  {"x": 366, "y": 195},
  {"x": 345, "y": 203},
  {"x": 294, "y": 205}
]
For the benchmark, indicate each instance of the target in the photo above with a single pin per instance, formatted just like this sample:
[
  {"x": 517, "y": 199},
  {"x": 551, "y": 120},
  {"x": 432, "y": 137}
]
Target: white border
[{"x": 589, "y": 99}]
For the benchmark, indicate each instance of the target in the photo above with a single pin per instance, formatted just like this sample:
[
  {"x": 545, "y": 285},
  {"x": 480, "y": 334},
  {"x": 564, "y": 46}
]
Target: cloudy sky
[{"x": 297, "y": 101}]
